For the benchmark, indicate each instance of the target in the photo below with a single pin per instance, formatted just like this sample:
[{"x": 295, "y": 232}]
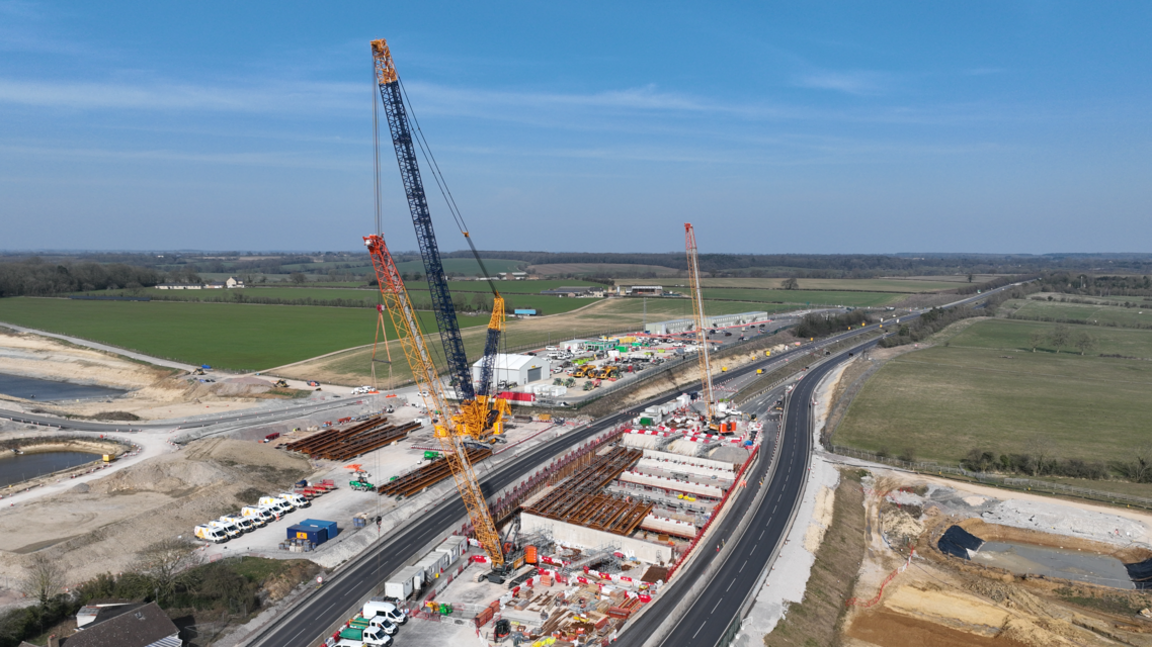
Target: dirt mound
[{"x": 238, "y": 452}]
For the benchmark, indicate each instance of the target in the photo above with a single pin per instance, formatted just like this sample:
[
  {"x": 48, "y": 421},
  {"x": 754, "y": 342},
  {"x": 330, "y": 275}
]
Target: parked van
[
  {"x": 375, "y": 636},
  {"x": 243, "y": 523},
  {"x": 384, "y": 623},
  {"x": 208, "y": 533},
  {"x": 227, "y": 527},
  {"x": 297, "y": 500},
  {"x": 373, "y": 608},
  {"x": 276, "y": 504},
  {"x": 258, "y": 516}
]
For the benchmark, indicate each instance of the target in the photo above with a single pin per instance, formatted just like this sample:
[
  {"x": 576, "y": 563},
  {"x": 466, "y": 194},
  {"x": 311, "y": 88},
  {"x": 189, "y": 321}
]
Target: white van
[
  {"x": 375, "y": 636},
  {"x": 297, "y": 500},
  {"x": 258, "y": 516},
  {"x": 243, "y": 523},
  {"x": 384, "y": 623},
  {"x": 276, "y": 504},
  {"x": 227, "y": 527},
  {"x": 208, "y": 533},
  {"x": 373, "y": 608}
]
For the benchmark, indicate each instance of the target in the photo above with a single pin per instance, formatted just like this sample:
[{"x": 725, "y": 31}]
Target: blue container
[
  {"x": 330, "y": 526},
  {"x": 524, "y": 311},
  {"x": 313, "y": 534}
]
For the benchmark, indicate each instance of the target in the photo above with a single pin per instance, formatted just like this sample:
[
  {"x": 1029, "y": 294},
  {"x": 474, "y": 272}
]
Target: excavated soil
[
  {"x": 100, "y": 528},
  {"x": 942, "y": 600}
]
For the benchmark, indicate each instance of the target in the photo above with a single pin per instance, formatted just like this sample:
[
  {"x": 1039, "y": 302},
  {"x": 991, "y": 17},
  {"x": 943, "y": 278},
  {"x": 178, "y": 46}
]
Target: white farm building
[{"x": 520, "y": 369}]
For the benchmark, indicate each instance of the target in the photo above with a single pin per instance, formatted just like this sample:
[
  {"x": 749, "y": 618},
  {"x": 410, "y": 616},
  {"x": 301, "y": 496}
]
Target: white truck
[
  {"x": 227, "y": 527},
  {"x": 208, "y": 533},
  {"x": 276, "y": 504},
  {"x": 259, "y": 516}
]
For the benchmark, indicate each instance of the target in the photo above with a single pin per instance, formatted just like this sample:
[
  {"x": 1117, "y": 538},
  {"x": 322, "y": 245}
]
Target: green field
[
  {"x": 232, "y": 336},
  {"x": 366, "y": 297},
  {"x": 804, "y": 297},
  {"x": 987, "y": 390},
  {"x": 910, "y": 285},
  {"x": 465, "y": 266},
  {"x": 1101, "y": 315}
]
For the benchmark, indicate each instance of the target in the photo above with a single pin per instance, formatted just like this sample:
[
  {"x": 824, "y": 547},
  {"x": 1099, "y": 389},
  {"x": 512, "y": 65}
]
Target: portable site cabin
[
  {"x": 433, "y": 564},
  {"x": 401, "y": 585},
  {"x": 454, "y": 546}
]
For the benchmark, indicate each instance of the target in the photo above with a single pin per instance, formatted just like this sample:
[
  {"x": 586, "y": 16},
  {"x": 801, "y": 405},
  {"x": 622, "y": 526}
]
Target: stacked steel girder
[
  {"x": 350, "y": 442},
  {"x": 581, "y": 499},
  {"x": 427, "y": 476}
]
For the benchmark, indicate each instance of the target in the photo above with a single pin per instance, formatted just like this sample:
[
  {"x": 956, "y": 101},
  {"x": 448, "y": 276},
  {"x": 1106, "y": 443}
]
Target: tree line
[
  {"x": 818, "y": 325},
  {"x": 42, "y": 279}
]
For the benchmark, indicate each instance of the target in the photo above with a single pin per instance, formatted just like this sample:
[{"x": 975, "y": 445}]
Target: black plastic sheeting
[
  {"x": 1141, "y": 574},
  {"x": 957, "y": 542}
]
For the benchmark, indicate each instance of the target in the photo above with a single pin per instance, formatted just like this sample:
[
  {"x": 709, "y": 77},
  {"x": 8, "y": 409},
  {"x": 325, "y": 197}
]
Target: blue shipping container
[
  {"x": 524, "y": 311},
  {"x": 309, "y": 533},
  {"x": 330, "y": 526}
]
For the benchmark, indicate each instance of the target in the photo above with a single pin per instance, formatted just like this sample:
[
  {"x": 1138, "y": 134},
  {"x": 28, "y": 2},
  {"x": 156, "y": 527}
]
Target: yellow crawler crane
[{"x": 447, "y": 427}]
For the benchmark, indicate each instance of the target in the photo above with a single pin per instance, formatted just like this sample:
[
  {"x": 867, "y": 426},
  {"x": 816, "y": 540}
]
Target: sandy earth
[
  {"x": 154, "y": 392},
  {"x": 99, "y": 525}
]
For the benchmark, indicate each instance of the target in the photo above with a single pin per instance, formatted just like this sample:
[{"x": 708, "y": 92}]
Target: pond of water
[
  {"x": 21, "y": 467},
  {"x": 1025, "y": 559},
  {"x": 32, "y": 388}
]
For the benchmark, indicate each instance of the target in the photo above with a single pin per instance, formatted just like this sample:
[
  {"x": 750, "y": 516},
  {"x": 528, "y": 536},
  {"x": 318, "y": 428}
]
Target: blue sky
[{"x": 831, "y": 127}]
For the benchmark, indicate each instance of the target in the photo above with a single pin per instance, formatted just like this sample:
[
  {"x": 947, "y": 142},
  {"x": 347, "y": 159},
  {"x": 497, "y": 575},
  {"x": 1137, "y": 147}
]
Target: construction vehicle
[
  {"x": 208, "y": 533},
  {"x": 281, "y": 384},
  {"x": 609, "y": 372},
  {"x": 360, "y": 478},
  {"x": 479, "y": 412}
]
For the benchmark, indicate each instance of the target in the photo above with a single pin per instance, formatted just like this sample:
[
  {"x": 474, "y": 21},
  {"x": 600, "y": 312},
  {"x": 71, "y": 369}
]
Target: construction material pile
[
  {"x": 353, "y": 441},
  {"x": 581, "y": 498},
  {"x": 427, "y": 476}
]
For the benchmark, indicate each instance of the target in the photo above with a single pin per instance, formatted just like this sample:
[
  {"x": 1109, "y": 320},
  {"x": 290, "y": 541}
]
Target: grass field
[
  {"x": 1103, "y": 315},
  {"x": 367, "y": 297},
  {"x": 465, "y": 266},
  {"x": 232, "y": 336},
  {"x": 986, "y": 390},
  {"x": 804, "y": 297},
  {"x": 923, "y": 284},
  {"x": 601, "y": 268}
]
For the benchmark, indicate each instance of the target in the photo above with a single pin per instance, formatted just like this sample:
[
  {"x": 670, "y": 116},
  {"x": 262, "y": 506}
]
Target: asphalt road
[
  {"x": 705, "y": 621},
  {"x": 302, "y": 626}
]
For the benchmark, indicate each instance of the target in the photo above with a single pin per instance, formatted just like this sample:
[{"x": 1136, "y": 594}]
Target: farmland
[
  {"x": 987, "y": 390},
  {"x": 916, "y": 284},
  {"x": 1104, "y": 313},
  {"x": 804, "y": 297},
  {"x": 232, "y": 336},
  {"x": 602, "y": 269}
]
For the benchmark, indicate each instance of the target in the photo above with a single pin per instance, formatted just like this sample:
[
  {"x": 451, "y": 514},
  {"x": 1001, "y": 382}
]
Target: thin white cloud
[
  {"x": 856, "y": 82},
  {"x": 166, "y": 96},
  {"x": 260, "y": 159}
]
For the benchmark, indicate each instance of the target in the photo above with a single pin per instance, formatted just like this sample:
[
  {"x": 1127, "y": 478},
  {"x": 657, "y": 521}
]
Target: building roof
[
  {"x": 142, "y": 627},
  {"x": 512, "y": 362}
]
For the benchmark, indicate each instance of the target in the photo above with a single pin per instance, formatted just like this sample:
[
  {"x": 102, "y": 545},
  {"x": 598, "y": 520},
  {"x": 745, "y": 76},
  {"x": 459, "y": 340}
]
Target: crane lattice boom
[
  {"x": 698, "y": 311},
  {"x": 424, "y": 371}
]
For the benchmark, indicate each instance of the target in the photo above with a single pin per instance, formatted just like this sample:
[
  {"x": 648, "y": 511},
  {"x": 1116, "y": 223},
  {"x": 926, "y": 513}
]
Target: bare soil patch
[{"x": 101, "y": 528}]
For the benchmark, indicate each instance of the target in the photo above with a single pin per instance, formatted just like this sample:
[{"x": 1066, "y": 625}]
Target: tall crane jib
[
  {"x": 476, "y": 415},
  {"x": 390, "y": 92},
  {"x": 698, "y": 313}
]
